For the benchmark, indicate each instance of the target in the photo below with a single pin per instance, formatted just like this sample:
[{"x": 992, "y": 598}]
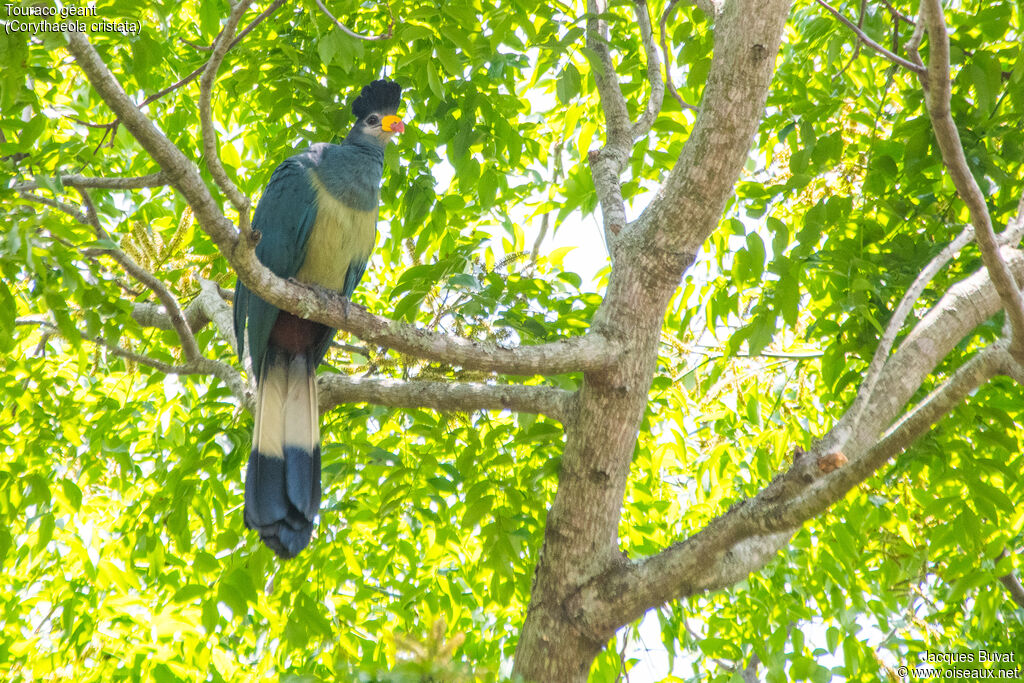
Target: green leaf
[
  {"x": 8, "y": 314},
  {"x": 465, "y": 281},
  {"x": 31, "y": 131},
  {"x": 567, "y": 87},
  {"x": 190, "y": 592}
]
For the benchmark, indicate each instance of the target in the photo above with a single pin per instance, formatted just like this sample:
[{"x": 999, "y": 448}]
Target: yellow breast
[{"x": 340, "y": 236}]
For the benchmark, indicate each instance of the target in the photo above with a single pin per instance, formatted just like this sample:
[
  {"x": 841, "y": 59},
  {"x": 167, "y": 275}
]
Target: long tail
[{"x": 282, "y": 482}]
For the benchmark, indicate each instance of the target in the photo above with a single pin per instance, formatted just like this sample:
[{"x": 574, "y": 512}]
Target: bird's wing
[{"x": 284, "y": 218}]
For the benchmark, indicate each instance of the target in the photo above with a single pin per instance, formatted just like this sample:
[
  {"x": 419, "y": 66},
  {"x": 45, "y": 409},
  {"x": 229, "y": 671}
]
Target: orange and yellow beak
[{"x": 392, "y": 124}]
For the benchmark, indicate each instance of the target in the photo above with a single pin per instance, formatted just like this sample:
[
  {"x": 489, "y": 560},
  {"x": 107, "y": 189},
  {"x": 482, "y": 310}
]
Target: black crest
[{"x": 379, "y": 96}]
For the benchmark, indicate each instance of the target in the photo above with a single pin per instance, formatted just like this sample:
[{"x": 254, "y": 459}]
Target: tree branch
[
  {"x": 905, "y": 307},
  {"x": 863, "y": 37},
  {"x": 181, "y": 172},
  {"x": 198, "y": 313},
  {"x": 195, "y": 74},
  {"x": 936, "y": 83},
  {"x": 336, "y": 389},
  {"x": 749, "y": 535},
  {"x": 691, "y": 201},
  {"x": 1012, "y": 583},
  {"x": 582, "y": 551},
  {"x": 174, "y": 315},
  {"x": 349, "y": 32},
  {"x": 209, "y": 306},
  {"x": 643, "y": 126},
  {"x": 80, "y": 181},
  {"x": 607, "y": 163},
  {"x": 63, "y": 207},
  {"x": 964, "y": 306},
  {"x": 1008, "y": 237},
  {"x": 914, "y": 44},
  {"x": 155, "y": 285},
  {"x": 210, "y": 148},
  {"x": 616, "y": 115},
  {"x": 896, "y": 13},
  {"x": 589, "y": 352},
  {"x": 667, "y": 56},
  {"x": 197, "y": 366},
  {"x": 586, "y": 352},
  {"x": 212, "y": 304}
]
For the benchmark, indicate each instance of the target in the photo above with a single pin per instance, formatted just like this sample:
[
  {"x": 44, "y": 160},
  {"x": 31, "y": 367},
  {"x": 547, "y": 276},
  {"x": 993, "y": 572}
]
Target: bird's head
[{"x": 375, "y": 110}]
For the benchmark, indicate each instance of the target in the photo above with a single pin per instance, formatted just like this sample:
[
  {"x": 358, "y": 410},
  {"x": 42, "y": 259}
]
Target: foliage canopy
[{"x": 123, "y": 552}]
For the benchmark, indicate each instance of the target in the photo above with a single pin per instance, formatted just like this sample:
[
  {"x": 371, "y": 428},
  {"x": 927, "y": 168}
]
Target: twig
[
  {"x": 623, "y": 675},
  {"x": 545, "y": 222},
  {"x": 607, "y": 163},
  {"x": 188, "y": 342},
  {"x": 35, "y": 322},
  {"x": 197, "y": 366},
  {"x": 616, "y": 114},
  {"x": 345, "y": 29},
  {"x": 856, "y": 48},
  {"x": 192, "y": 76},
  {"x": 936, "y": 83},
  {"x": 211, "y": 302},
  {"x": 336, "y": 389},
  {"x": 1012, "y": 583},
  {"x": 209, "y": 133},
  {"x": 667, "y": 56},
  {"x": 906, "y": 305},
  {"x": 197, "y": 46},
  {"x": 60, "y": 206},
  {"x": 900, "y": 16},
  {"x": 643, "y": 19},
  {"x": 77, "y": 180},
  {"x": 894, "y": 58},
  {"x": 1015, "y": 228},
  {"x": 88, "y": 124},
  {"x": 196, "y": 73},
  {"x": 914, "y": 44}
]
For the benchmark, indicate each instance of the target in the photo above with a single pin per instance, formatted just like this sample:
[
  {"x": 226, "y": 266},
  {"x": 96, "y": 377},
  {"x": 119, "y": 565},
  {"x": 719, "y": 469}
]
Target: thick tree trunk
[
  {"x": 581, "y": 537},
  {"x": 561, "y": 636}
]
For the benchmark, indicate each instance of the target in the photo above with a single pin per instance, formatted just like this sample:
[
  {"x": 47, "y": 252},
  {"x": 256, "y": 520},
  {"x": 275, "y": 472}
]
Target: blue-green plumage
[{"x": 317, "y": 223}]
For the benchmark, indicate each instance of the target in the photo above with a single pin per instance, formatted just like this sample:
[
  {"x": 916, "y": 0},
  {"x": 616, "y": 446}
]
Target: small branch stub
[{"x": 830, "y": 462}]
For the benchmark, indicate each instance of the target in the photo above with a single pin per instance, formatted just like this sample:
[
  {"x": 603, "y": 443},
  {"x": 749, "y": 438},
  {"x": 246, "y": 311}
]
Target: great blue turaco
[{"x": 317, "y": 223}]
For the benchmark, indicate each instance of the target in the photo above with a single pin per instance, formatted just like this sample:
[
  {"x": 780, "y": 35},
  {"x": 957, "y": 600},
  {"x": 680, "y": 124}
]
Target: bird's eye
[{"x": 373, "y": 120}]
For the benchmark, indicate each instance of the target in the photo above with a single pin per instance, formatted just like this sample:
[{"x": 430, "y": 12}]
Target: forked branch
[
  {"x": 210, "y": 148},
  {"x": 865, "y": 39},
  {"x": 938, "y": 93}
]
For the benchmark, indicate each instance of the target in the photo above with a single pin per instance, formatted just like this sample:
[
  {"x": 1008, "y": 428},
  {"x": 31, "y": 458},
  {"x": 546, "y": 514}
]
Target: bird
[{"x": 316, "y": 223}]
